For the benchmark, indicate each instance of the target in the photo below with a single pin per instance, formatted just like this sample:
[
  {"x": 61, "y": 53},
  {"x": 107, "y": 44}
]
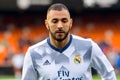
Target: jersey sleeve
[
  {"x": 28, "y": 72},
  {"x": 101, "y": 63}
]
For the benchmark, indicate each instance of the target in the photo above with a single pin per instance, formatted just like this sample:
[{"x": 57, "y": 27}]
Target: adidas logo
[{"x": 46, "y": 62}]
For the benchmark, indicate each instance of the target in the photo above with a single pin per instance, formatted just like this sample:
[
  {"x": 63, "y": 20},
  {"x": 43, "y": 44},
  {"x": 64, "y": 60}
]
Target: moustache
[{"x": 60, "y": 31}]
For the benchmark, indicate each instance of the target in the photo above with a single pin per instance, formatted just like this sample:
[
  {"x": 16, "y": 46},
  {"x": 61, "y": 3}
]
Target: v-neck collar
[{"x": 60, "y": 50}]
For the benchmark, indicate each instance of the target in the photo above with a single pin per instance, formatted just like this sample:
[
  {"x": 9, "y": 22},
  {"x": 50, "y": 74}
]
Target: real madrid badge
[{"x": 77, "y": 59}]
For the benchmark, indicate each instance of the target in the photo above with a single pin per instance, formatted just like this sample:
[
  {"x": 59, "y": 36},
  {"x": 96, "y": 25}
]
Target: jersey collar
[{"x": 60, "y": 50}]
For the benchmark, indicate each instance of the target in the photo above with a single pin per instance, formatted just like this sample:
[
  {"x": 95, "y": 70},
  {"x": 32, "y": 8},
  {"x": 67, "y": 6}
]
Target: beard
[{"x": 59, "y": 35}]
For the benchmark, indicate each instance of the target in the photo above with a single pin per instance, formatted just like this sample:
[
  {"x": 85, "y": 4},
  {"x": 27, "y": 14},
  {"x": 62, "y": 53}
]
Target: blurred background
[{"x": 22, "y": 25}]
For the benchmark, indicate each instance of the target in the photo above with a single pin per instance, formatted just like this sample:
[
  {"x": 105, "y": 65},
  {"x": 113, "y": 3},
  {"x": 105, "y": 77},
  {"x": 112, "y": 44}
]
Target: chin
[{"x": 60, "y": 39}]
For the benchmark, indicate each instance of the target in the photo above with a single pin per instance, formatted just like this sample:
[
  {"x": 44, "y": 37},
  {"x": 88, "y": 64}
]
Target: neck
[{"x": 60, "y": 44}]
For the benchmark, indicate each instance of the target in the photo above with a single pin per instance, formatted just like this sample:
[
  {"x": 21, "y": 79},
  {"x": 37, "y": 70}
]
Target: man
[{"x": 64, "y": 56}]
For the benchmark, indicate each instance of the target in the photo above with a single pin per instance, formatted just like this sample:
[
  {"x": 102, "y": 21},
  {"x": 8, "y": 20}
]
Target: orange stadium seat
[{"x": 99, "y": 23}]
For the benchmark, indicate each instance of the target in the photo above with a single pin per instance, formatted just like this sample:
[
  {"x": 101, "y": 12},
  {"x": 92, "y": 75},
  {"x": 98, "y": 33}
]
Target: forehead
[{"x": 58, "y": 14}]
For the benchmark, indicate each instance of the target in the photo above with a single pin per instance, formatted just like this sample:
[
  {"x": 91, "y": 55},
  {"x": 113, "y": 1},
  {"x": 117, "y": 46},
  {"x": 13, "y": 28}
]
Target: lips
[{"x": 60, "y": 32}]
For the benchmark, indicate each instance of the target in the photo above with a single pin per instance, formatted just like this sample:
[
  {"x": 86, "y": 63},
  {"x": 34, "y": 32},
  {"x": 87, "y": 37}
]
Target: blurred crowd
[{"x": 17, "y": 33}]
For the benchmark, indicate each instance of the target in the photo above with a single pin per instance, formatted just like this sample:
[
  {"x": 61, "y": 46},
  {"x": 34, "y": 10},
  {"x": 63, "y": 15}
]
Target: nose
[{"x": 59, "y": 24}]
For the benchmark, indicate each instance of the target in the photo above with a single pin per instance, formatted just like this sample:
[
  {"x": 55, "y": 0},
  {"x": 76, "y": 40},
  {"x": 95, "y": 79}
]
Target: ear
[
  {"x": 46, "y": 24},
  {"x": 71, "y": 22}
]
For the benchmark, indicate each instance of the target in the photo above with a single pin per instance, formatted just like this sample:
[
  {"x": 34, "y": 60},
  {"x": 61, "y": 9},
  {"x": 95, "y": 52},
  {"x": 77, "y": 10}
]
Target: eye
[
  {"x": 64, "y": 20},
  {"x": 54, "y": 20}
]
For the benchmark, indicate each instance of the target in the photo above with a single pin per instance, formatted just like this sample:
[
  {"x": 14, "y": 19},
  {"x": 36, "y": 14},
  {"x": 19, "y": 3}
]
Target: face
[{"x": 58, "y": 24}]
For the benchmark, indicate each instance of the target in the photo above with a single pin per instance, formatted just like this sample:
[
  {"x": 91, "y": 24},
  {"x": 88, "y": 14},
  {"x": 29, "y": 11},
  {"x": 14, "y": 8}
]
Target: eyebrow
[
  {"x": 59, "y": 19},
  {"x": 64, "y": 18},
  {"x": 55, "y": 19}
]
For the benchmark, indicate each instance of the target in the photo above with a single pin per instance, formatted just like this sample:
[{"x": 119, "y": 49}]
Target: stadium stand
[{"x": 19, "y": 32}]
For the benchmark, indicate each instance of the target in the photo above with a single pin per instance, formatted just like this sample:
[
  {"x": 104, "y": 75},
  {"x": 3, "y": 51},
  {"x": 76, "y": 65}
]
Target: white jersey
[{"x": 45, "y": 62}]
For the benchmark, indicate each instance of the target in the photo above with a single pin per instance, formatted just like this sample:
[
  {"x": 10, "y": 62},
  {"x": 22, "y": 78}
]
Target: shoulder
[
  {"x": 38, "y": 47},
  {"x": 37, "y": 50},
  {"x": 81, "y": 39},
  {"x": 41, "y": 43}
]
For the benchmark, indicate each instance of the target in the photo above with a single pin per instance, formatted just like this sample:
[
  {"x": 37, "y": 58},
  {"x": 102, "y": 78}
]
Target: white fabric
[{"x": 74, "y": 62}]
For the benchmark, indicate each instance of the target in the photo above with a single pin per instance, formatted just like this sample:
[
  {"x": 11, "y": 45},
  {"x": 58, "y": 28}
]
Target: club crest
[{"x": 77, "y": 59}]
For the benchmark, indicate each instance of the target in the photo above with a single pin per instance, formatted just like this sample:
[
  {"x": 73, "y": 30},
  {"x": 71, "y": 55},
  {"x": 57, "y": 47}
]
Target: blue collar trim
[{"x": 60, "y": 50}]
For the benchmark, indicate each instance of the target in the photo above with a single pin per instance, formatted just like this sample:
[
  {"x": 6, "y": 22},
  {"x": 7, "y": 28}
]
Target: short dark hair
[{"x": 57, "y": 6}]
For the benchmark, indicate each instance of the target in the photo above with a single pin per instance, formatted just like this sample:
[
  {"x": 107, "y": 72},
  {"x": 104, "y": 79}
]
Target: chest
[{"x": 60, "y": 65}]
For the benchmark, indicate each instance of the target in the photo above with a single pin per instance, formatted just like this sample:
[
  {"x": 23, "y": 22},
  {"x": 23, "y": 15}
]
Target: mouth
[{"x": 60, "y": 32}]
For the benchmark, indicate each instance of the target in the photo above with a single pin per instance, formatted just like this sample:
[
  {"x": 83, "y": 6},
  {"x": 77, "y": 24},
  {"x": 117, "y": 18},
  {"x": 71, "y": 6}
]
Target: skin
[{"x": 59, "y": 24}]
